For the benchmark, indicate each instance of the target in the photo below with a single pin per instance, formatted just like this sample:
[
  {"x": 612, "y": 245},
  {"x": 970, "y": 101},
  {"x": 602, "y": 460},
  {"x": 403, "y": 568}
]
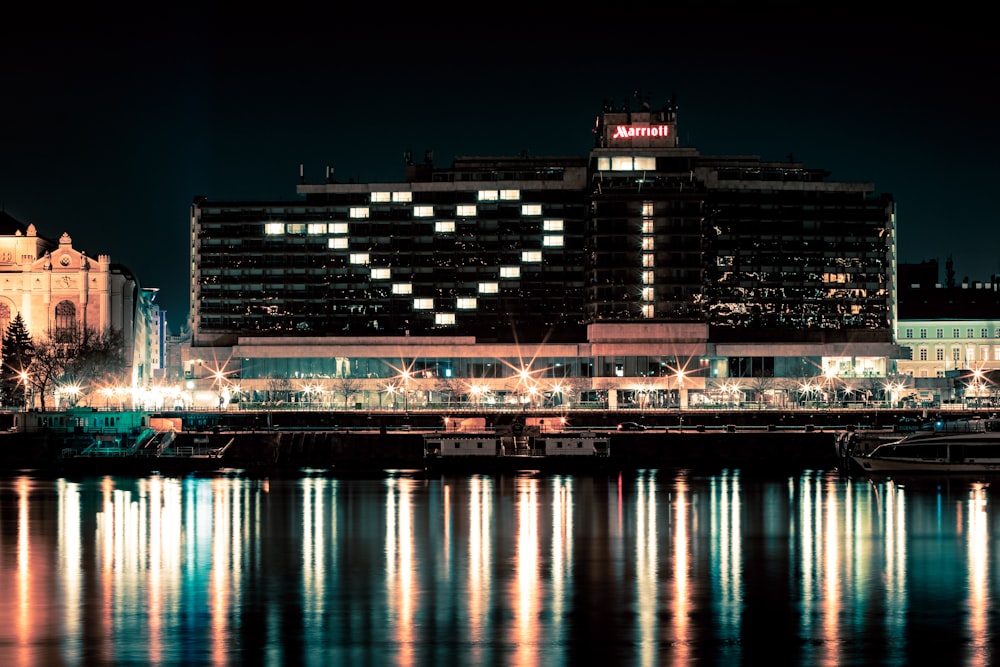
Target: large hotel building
[{"x": 644, "y": 274}]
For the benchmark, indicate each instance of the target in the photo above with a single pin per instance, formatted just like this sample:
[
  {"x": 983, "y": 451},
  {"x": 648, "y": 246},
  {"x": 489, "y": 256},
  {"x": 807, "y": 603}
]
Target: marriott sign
[{"x": 636, "y": 131}]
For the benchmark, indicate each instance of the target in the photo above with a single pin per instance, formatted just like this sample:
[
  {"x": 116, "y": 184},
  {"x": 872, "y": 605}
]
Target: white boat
[{"x": 961, "y": 452}]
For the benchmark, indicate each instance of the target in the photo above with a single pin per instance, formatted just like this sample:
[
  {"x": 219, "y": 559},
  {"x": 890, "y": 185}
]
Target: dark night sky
[{"x": 111, "y": 124}]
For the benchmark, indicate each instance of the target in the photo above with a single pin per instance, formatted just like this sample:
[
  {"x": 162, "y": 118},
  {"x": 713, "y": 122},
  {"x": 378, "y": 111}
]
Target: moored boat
[{"x": 973, "y": 451}]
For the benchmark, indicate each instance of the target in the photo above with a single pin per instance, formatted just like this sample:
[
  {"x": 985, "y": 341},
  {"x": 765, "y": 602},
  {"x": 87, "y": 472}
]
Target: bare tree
[{"x": 346, "y": 386}]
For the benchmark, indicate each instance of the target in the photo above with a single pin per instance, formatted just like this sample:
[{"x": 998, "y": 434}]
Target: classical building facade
[
  {"x": 641, "y": 274},
  {"x": 59, "y": 290}
]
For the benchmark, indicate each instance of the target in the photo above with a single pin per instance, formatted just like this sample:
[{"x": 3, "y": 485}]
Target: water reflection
[{"x": 648, "y": 568}]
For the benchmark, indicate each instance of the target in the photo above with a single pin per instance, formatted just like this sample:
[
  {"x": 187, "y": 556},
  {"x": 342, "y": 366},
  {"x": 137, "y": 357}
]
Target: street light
[{"x": 24, "y": 380}]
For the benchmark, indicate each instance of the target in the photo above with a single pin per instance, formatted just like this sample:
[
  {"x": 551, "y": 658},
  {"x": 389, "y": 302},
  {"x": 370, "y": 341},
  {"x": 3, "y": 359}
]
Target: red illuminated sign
[{"x": 633, "y": 131}]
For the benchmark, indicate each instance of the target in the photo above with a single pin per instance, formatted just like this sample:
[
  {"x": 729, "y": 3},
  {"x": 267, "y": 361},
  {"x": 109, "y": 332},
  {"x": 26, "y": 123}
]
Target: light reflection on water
[{"x": 657, "y": 567}]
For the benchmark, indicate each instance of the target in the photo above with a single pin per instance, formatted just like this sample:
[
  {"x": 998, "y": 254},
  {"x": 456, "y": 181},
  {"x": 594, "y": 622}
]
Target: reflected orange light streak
[
  {"x": 682, "y": 601},
  {"x": 832, "y": 607},
  {"x": 25, "y": 620},
  {"x": 526, "y": 603},
  {"x": 979, "y": 599}
]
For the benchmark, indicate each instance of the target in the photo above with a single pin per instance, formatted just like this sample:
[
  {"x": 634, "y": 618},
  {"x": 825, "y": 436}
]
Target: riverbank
[{"x": 348, "y": 450}]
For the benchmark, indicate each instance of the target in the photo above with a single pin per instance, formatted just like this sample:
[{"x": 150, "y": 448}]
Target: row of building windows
[
  {"x": 956, "y": 332},
  {"x": 985, "y": 353}
]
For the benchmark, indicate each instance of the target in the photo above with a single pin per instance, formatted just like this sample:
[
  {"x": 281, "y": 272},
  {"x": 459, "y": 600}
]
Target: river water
[{"x": 649, "y": 568}]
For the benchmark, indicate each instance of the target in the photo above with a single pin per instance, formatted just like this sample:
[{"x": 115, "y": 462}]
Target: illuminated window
[
  {"x": 383, "y": 273},
  {"x": 647, "y": 226},
  {"x": 402, "y": 197},
  {"x": 295, "y": 228},
  {"x": 317, "y": 228},
  {"x": 337, "y": 227},
  {"x": 423, "y": 211},
  {"x": 647, "y": 277},
  {"x": 274, "y": 228},
  {"x": 510, "y": 195},
  {"x": 647, "y": 260},
  {"x": 444, "y": 226},
  {"x": 996, "y": 354},
  {"x": 552, "y": 225},
  {"x": 359, "y": 212},
  {"x": 466, "y": 302},
  {"x": 380, "y": 197},
  {"x": 647, "y": 208},
  {"x": 647, "y": 243},
  {"x": 621, "y": 163},
  {"x": 531, "y": 209},
  {"x": 647, "y": 310},
  {"x": 423, "y": 304},
  {"x": 552, "y": 241},
  {"x": 531, "y": 256},
  {"x": 510, "y": 272},
  {"x": 466, "y": 210},
  {"x": 358, "y": 258},
  {"x": 402, "y": 288},
  {"x": 489, "y": 288},
  {"x": 489, "y": 195},
  {"x": 444, "y": 319},
  {"x": 647, "y": 294},
  {"x": 645, "y": 164},
  {"x": 337, "y": 243}
]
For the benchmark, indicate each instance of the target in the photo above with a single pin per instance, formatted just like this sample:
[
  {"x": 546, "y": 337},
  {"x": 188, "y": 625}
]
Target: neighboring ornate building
[{"x": 58, "y": 290}]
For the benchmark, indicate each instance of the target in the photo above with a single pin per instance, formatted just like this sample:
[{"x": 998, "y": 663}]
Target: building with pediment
[{"x": 60, "y": 291}]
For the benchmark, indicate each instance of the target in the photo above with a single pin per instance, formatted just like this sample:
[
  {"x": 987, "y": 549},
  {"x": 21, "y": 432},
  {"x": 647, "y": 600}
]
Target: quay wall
[{"x": 373, "y": 450}]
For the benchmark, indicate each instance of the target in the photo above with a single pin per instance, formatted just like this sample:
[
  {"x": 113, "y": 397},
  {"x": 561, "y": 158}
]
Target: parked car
[{"x": 631, "y": 426}]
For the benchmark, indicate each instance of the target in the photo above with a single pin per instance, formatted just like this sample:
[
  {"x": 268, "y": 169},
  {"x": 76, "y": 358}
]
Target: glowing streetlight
[{"x": 24, "y": 379}]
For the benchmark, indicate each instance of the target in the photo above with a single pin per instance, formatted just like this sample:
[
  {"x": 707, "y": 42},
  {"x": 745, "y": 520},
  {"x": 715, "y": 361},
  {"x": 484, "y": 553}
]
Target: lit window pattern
[
  {"x": 552, "y": 241},
  {"x": 295, "y": 228},
  {"x": 510, "y": 271},
  {"x": 647, "y": 294},
  {"x": 337, "y": 243},
  {"x": 626, "y": 163},
  {"x": 359, "y": 212},
  {"x": 647, "y": 242},
  {"x": 466, "y": 303},
  {"x": 338, "y": 227},
  {"x": 444, "y": 319},
  {"x": 488, "y": 195},
  {"x": 444, "y": 226},
  {"x": 316, "y": 228},
  {"x": 647, "y": 260},
  {"x": 403, "y": 197},
  {"x": 647, "y": 226},
  {"x": 402, "y": 288},
  {"x": 380, "y": 197},
  {"x": 466, "y": 210},
  {"x": 423, "y": 211},
  {"x": 647, "y": 208},
  {"x": 531, "y": 256},
  {"x": 552, "y": 225},
  {"x": 531, "y": 209},
  {"x": 647, "y": 277},
  {"x": 510, "y": 195},
  {"x": 274, "y": 228},
  {"x": 647, "y": 310},
  {"x": 489, "y": 288},
  {"x": 358, "y": 258},
  {"x": 424, "y": 303},
  {"x": 381, "y": 273}
]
